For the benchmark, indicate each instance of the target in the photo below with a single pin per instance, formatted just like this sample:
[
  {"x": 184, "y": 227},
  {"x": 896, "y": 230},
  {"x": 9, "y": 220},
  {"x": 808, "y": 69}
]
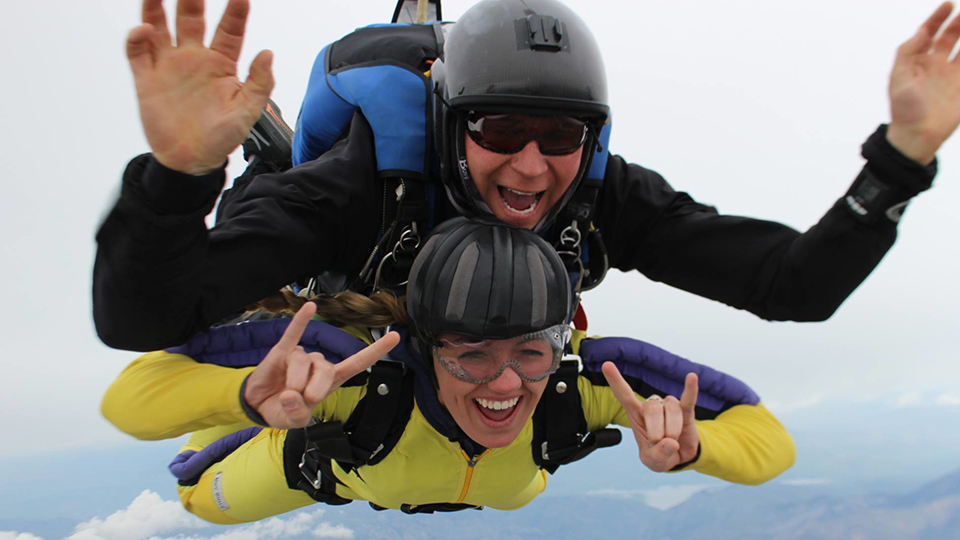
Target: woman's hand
[
  {"x": 925, "y": 89},
  {"x": 665, "y": 430},
  {"x": 194, "y": 109},
  {"x": 289, "y": 382}
]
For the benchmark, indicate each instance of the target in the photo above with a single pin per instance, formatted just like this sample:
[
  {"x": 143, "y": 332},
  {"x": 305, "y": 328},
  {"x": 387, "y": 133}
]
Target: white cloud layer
[
  {"x": 806, "y": 482},
  {"x": 806, "y": 403},
  {"x": 151, "y": 517},
  {"x": 916, "y": 399},
  {"x": 13, "y": 535},
  {"x": 325, "y": 530},
  {"x": 147, "y": 516},
  {"x": 661, "y": 498},
  {"x": 949, "y": 400}
]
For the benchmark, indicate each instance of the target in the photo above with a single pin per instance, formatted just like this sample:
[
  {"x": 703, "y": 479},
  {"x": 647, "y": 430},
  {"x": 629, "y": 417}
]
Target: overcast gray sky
[{"x": 756, "y": 107}]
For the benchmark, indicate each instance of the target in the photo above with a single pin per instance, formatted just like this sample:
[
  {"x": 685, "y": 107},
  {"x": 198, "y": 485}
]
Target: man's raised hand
[
  {"x": 194, "y": 109},
  {"x": 666, "y": 430},
  {"x": 289, "y": 382},
  {"x": 925, "y": 88}
]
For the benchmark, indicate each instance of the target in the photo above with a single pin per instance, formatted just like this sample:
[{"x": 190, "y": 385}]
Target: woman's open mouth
[{"x": 497, "y": 413}]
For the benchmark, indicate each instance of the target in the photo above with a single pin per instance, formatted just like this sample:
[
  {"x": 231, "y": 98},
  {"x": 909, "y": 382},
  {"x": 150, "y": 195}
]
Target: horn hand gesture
[
  {"x": 290, "y": 382},
  {"x": 665, "y": 429}
]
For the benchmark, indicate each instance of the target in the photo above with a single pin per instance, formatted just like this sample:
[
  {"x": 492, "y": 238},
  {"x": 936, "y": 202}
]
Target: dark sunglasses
[{"x": 509, "y": 133}]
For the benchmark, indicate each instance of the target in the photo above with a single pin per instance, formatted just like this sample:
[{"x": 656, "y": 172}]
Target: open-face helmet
[{"x": 529, "y": 57}]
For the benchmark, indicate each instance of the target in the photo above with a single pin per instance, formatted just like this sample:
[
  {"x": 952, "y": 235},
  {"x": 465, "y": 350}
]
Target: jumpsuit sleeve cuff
[
  {"x": 251, "y": 413},
  {"x": 892, "y": 167},
  {"x": 169, "y": 192},
  {"x": 684, "y": 465}
]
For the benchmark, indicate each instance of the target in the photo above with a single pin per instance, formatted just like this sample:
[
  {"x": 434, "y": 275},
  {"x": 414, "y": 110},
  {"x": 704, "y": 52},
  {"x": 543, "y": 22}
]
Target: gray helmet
[
  {"x": 521, "y": 56},
  {"x": 487, "y": 282}
]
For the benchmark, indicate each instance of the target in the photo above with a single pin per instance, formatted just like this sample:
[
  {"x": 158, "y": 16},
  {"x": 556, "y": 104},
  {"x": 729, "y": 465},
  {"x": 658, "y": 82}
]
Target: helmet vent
[
  {"x": 460, "y": 287},
  {"x": 538, "y": 287},
  {"x": 544, "y": 33}
]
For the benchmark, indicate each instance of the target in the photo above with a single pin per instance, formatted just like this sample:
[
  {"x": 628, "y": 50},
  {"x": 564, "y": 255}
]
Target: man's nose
[{"x": 529, "y": 161}]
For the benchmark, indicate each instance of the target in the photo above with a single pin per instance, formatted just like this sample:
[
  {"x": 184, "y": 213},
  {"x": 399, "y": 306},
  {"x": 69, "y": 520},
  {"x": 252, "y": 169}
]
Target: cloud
[
  {"x": 806, "y": 403},
  {"x": 910, "y": 399},
  {"x": 661, "y": 498},
  {"x": 147, "y": 516},
  {"x": 14, "y": 535},
  {"x": 325, "y": 530},
  {"x": 151, "y": 517},
  {"x": 267, "y": 529},
  {"x": 916, "y": 399},
  {"x": 806, "y": 482},
  {"x": 949, "y": 400}
]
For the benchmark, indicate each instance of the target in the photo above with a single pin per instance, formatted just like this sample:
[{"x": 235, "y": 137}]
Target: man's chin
[{"x": 516, "y": 219}]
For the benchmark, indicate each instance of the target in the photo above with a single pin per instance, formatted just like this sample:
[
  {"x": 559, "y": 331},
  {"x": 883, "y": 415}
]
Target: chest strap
[
  {"x": 372, "y": 430},
  {"x": 560, "y": 433}
]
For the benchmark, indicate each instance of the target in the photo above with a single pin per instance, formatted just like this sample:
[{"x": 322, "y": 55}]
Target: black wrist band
[{"x": 251, "y": 413}]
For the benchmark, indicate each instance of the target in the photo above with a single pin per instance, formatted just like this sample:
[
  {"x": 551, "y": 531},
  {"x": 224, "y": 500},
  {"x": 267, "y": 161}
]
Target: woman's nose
[{"x": 508, "y": 381}]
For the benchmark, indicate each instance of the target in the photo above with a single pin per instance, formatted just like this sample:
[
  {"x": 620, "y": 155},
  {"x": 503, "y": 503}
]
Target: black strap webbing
[
  {"x": 560, "y": 433},
  {"x": 372, "y": 430},
  {"x": 378, "y": 421}
]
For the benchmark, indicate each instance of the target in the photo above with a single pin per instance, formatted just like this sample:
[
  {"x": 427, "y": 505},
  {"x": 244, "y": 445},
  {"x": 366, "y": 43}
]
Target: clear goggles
[
  {"x": 510, "y": 133},
  {"x": 533, "y": 356}
]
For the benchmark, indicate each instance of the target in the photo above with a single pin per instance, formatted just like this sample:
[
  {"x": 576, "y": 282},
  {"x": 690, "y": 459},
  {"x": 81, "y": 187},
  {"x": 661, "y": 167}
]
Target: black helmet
[
  {"x": 522, "y": 56},
  {"x": 487, "y": 282}
]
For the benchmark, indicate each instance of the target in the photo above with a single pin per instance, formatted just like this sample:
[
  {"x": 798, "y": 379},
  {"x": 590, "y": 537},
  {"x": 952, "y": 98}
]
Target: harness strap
[
  {"x": 380, "y": 418},
  {"x": 307, "y": 471},
  {"x": 558, "y": 423},
  {"x": 591, "y": 252},
  {"x": 437, "y": 507},
  {"x": 372, "y": 430}
]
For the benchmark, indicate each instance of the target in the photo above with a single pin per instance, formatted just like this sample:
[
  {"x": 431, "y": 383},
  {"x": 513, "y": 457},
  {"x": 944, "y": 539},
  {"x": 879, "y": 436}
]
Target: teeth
[
  {"x": 498, "y": 405},
  {"x": 529, "y": 209},
  {"x": 521, "y": 192}
]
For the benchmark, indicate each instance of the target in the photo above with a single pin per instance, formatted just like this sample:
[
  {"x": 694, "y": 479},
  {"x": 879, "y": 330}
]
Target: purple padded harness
[{"x": 665, "y": 371}]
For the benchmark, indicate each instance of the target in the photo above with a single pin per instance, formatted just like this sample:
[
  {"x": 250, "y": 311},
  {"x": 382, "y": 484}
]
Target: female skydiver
[
  {"x": 324, "y": 216},
  {"x": 468, "y": 409}
]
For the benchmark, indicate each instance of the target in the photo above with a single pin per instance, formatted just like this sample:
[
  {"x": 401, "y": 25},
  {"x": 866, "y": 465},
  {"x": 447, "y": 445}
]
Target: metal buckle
[
  {"x": 315, "y": 482},
  {"x": 573, "y": 358},
  {"x": 543, "y": 447},
  {"x": 409, "y": 242}
]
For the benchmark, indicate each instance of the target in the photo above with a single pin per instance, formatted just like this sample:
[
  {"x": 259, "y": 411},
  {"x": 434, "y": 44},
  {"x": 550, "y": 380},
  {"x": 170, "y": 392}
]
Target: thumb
[
  {"x": 140, "y": 49},
  {"x": 260, "y": 82},
  {"x": 666, "y": 454},
  {"x": 295, "y": 409},
  {"x": 667, "y": 449}
]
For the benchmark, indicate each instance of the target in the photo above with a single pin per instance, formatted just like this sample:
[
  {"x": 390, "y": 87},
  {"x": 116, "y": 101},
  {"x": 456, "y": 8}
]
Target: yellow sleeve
[
  {"x": 162, "y": 395},
  {"x": 745, "y": 444},
  {"x": 247, "y": 485}
]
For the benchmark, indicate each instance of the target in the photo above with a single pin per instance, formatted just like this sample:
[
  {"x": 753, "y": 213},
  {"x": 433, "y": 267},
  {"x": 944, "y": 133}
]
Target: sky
[{"x": 756, "y": 107}]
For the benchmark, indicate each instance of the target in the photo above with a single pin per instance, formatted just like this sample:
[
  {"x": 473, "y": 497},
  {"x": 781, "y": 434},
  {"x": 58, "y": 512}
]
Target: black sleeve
[
  {"x": 764, "y": 267},
  {"x": 160, "y": 275}
]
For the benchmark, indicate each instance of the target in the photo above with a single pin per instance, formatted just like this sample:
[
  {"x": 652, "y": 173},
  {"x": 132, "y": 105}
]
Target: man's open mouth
[{"x": 520, "y": 202}]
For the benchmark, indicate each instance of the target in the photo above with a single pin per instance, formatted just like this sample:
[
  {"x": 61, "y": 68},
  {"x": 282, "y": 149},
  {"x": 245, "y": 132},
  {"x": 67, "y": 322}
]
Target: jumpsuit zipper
[{"x": 471, "y": 463}]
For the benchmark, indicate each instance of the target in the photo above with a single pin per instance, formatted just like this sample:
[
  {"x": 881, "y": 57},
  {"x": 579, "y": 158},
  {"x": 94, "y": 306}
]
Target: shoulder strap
[
  {"x": 560, "y": 433},
  {"x": 370, "y": 433}
]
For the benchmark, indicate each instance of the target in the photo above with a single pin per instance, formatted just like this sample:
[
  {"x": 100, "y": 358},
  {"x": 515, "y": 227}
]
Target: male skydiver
[{"x": 513, "y": 143}]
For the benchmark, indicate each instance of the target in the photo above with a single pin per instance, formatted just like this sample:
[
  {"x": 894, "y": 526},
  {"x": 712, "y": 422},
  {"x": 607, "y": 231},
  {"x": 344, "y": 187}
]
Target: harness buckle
[
  {"x": 314, "y": 480},
  {"x": 581, "y": 437},
  {"x": 570, "y": 358},
  {"x": 407, "y": 244}
]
